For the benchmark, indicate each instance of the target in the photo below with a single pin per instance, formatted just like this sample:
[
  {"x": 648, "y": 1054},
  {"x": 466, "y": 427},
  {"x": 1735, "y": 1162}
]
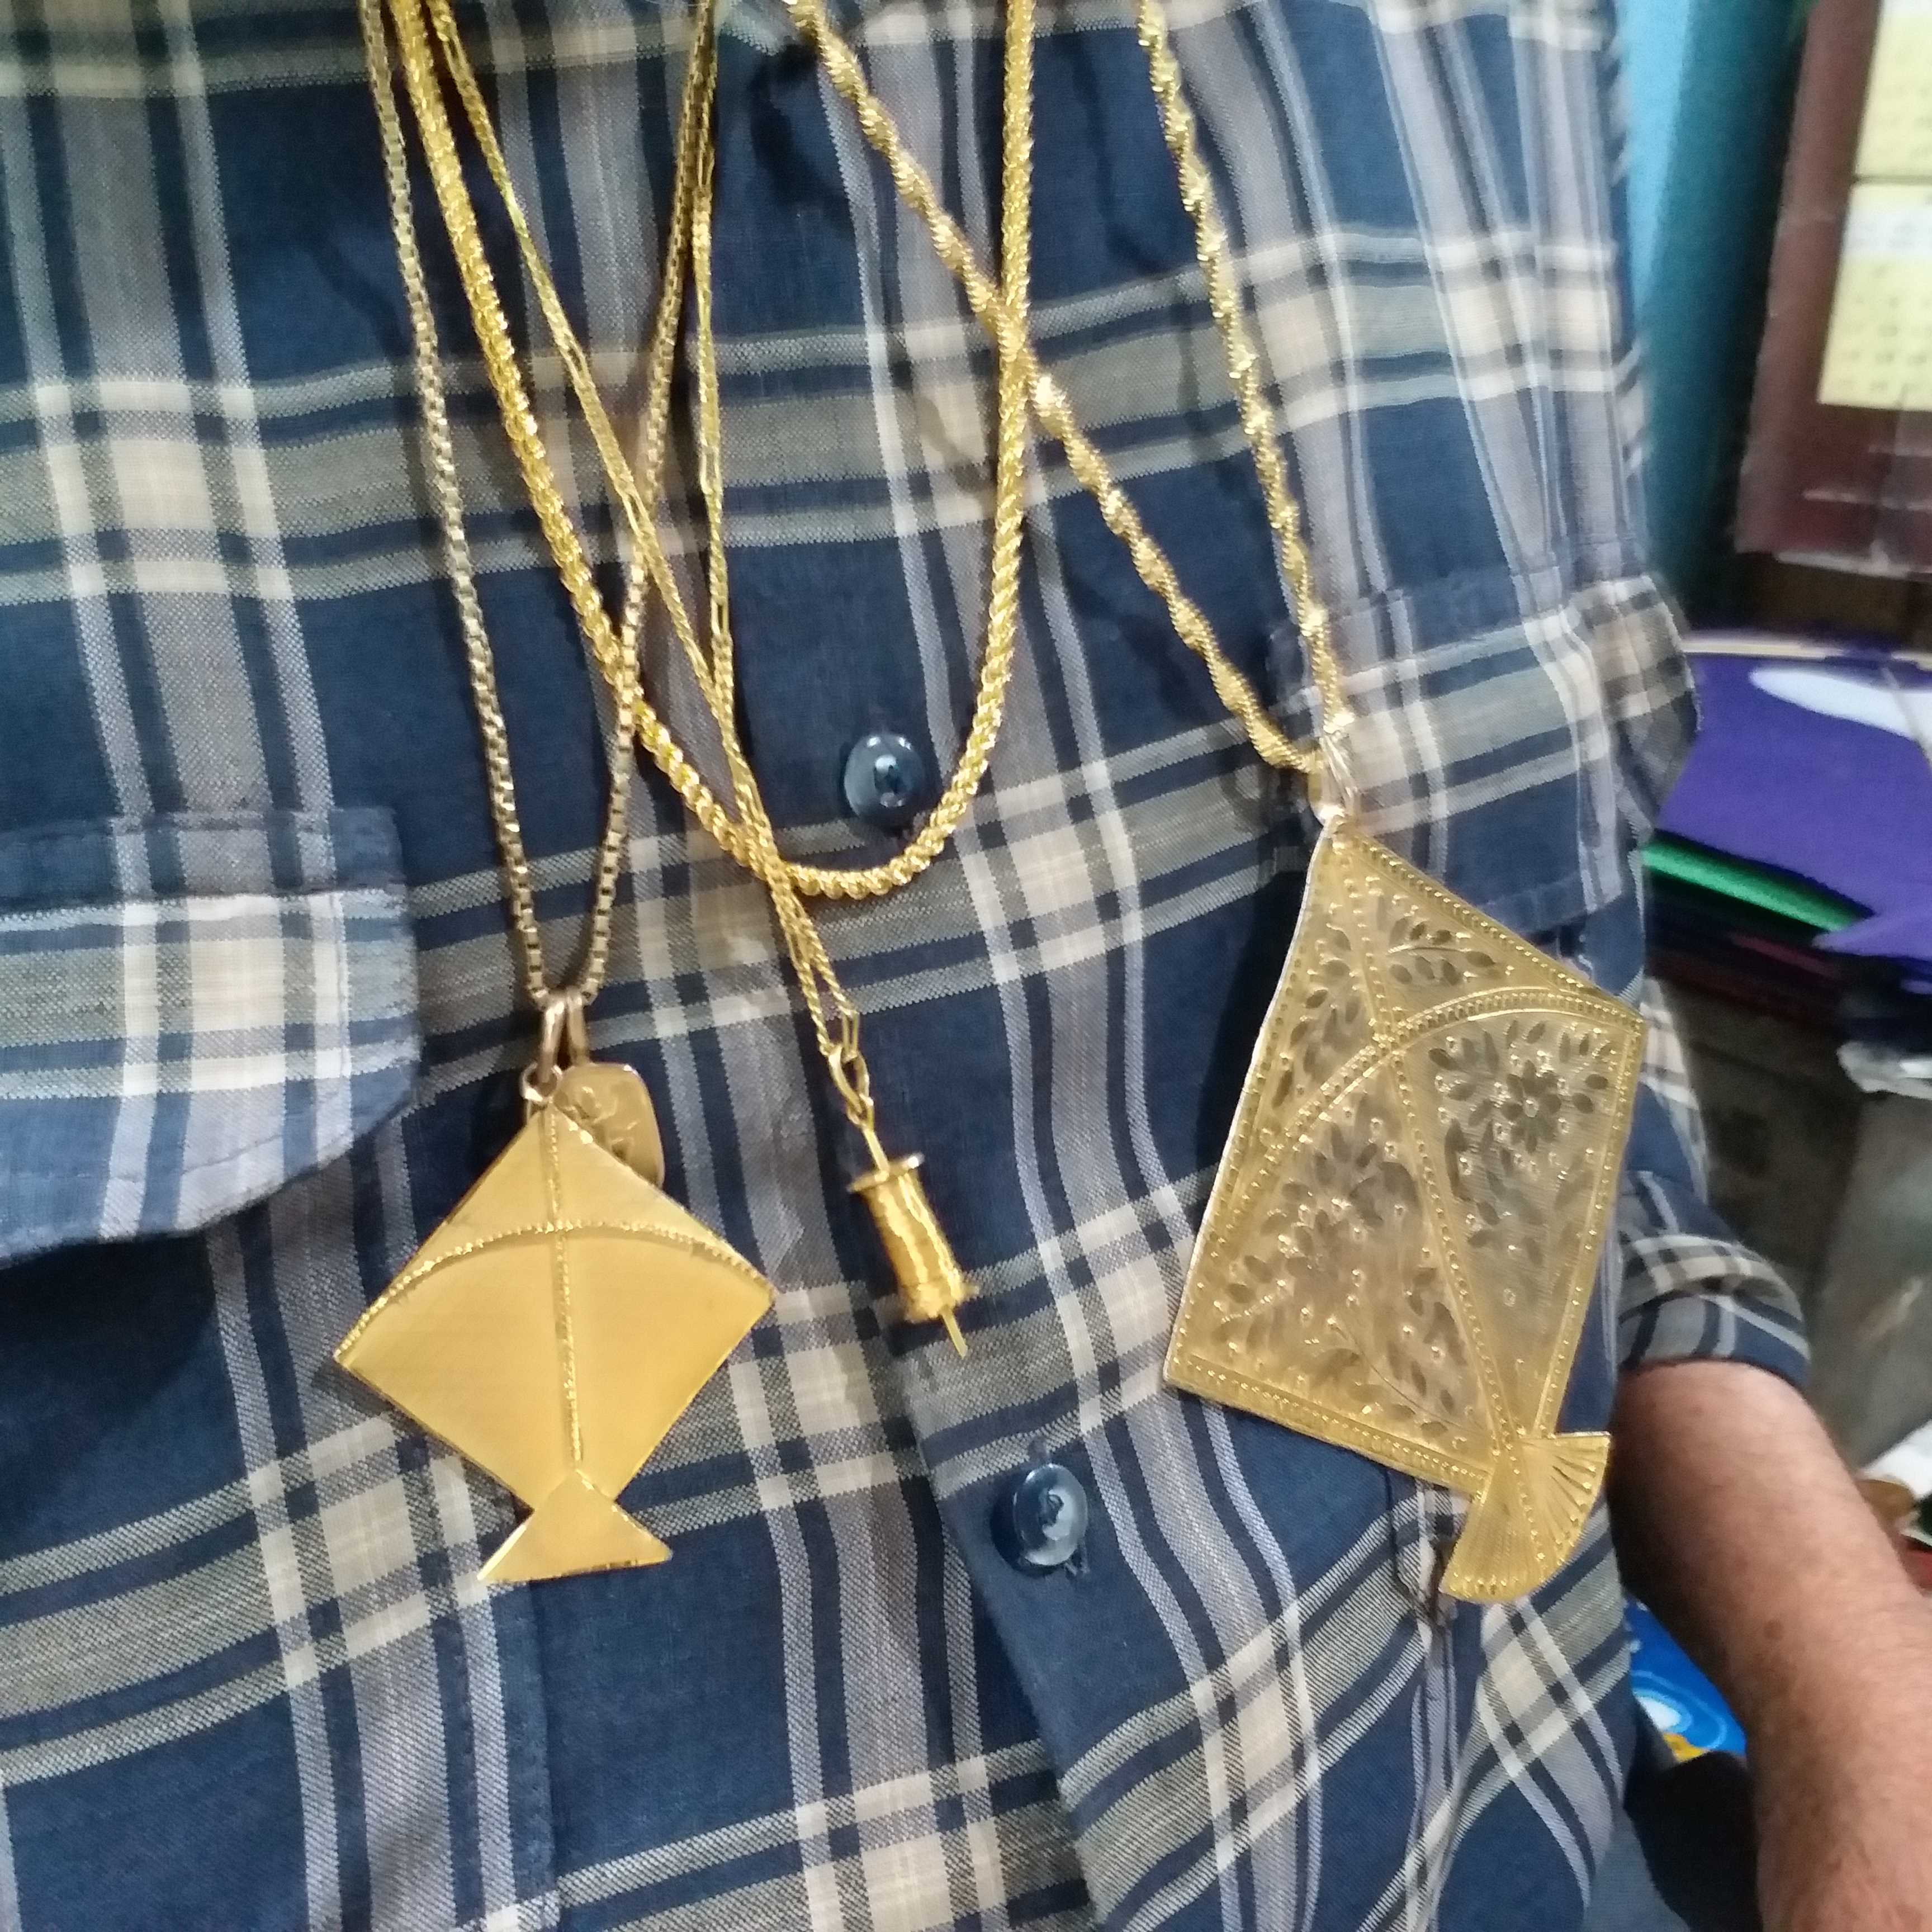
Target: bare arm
[{"x": 1737, "y": 1523}]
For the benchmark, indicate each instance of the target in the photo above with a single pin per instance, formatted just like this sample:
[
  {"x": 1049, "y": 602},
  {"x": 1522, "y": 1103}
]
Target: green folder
[{"x": 1751, "y": 885}]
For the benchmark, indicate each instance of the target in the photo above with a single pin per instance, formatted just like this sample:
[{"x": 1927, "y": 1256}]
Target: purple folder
[{"x": 1820, "y": 767}]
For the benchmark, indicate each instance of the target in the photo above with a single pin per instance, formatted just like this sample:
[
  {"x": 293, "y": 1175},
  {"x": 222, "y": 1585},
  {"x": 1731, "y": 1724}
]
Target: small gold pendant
[
  {"x": 1402, "y": 1238},
  {"x": 562, "y": 1318},
  {"x": 933, "y": 1287}
]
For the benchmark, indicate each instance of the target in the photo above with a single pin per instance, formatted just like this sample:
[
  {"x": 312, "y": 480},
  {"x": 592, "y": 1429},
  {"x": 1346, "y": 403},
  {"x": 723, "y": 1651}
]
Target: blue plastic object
[{"x": 1681, "y": 1701}]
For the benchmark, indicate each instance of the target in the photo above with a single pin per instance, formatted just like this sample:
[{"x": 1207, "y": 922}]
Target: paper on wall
[{"x": 1878, "y": 354}]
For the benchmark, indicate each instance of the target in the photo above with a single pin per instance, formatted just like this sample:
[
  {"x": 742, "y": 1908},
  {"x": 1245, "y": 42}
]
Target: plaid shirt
[{"x": 258, "y": 1020}]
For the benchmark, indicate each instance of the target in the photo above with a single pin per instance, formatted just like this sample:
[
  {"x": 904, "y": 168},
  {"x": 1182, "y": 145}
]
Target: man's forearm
[{"x": 1737, "y": 1523}]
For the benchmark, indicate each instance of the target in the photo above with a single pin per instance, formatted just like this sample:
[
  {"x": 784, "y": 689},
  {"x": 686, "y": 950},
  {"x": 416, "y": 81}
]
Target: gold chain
[
  {"x": 750, "y": 837},
  {"x": 1002, "y": 310},
  {"x": 1050, "y": 404},
  {"x": 1309, "y": 615},
  {"x": 637, "y": 493},
  {"x": 835, "y": 1020},
  {"x": 934, "y": 1285},
  {"x": 561, "y": 1005}
]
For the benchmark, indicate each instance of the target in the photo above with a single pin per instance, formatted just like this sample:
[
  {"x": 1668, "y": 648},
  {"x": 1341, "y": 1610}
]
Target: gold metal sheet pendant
[
  {"x": 559, "y": 1321},
  {"x": 1402, "y": 1238}
]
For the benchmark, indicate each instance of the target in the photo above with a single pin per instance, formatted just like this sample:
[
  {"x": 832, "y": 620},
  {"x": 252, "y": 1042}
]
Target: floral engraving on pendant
[
  {"x": 1331, "y": 1022},
  {"x": 1339, "y": 1285},
  {"x": 1517, "y": 1102},
  {"x": 1424, "y": 961},
  {"x": 1520, "y": 1105}
]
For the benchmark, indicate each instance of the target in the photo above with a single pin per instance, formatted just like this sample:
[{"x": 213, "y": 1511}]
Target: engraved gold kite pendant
[
  {"x": 558, "y": 1323},
  {"x": 1402, "y": 1238}
]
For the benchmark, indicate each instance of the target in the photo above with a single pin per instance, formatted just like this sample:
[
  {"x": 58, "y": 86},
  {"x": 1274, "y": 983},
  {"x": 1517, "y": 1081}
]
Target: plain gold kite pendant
[
  {"x": 558, "y": 1323},
  {"x": 1402, "y": 1238}
]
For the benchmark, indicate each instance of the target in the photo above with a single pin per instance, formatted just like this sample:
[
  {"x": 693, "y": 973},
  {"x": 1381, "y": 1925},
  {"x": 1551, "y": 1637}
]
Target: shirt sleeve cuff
[{"x": 1691, "y": 1290}]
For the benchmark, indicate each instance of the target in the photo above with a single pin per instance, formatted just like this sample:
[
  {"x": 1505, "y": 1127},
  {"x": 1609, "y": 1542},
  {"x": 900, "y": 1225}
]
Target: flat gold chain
[{"x": 479, "y": 659}]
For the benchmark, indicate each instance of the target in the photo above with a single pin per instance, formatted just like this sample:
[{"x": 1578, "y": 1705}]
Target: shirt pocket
[
  {"x": 194, "y": 1010},
  {"x": 1513, "y": 732}
]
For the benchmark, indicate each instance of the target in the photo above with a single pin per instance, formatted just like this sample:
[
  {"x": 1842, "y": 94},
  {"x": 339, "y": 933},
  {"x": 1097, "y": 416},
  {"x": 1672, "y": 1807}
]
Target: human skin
[{"x": 1737, "y": 1523}]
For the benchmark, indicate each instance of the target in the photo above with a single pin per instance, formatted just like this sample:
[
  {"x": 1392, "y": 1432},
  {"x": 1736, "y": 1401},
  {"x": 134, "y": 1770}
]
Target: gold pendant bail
[
  {"x": 932, "y": 1285},
  {"x": 563, "y": 1041},
  {"x": 1331, "y": 783}
]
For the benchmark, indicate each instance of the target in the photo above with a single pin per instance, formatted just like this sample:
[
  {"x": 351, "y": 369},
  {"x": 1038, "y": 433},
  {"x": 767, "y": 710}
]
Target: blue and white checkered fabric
[
  {"x": 248, "y": 1676},
  {"x": 193, "y": 1009}
]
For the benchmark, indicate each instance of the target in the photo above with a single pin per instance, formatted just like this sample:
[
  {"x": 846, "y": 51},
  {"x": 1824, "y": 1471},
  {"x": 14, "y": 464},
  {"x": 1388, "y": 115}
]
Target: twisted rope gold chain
[
  {"x": 1049, "y": 403},
  {"x": 1001, "y": 310},
  {"x": 750, "y": 838}
]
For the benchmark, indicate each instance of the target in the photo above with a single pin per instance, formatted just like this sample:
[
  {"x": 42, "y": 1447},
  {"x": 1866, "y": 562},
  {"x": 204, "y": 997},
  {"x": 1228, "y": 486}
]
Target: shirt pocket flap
[{"x": 194, "y": 1009}]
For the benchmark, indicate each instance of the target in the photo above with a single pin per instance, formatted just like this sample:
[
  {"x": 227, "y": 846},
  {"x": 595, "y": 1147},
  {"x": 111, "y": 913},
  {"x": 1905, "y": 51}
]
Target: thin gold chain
[
  {"x": 479, "y": 659},
  {"x": 638, "y": 493},
  {"x": 1002, "y": 311},
  {"x": 1050, "y": 404},
  {"x": 1309, "y": 614}
]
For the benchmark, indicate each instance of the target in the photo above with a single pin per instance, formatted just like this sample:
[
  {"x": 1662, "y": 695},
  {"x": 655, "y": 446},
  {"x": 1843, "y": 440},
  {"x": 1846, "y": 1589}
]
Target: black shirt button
[
  {"x": 885, "y": 780},
  {"x": 1042, "y": 1521}
]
